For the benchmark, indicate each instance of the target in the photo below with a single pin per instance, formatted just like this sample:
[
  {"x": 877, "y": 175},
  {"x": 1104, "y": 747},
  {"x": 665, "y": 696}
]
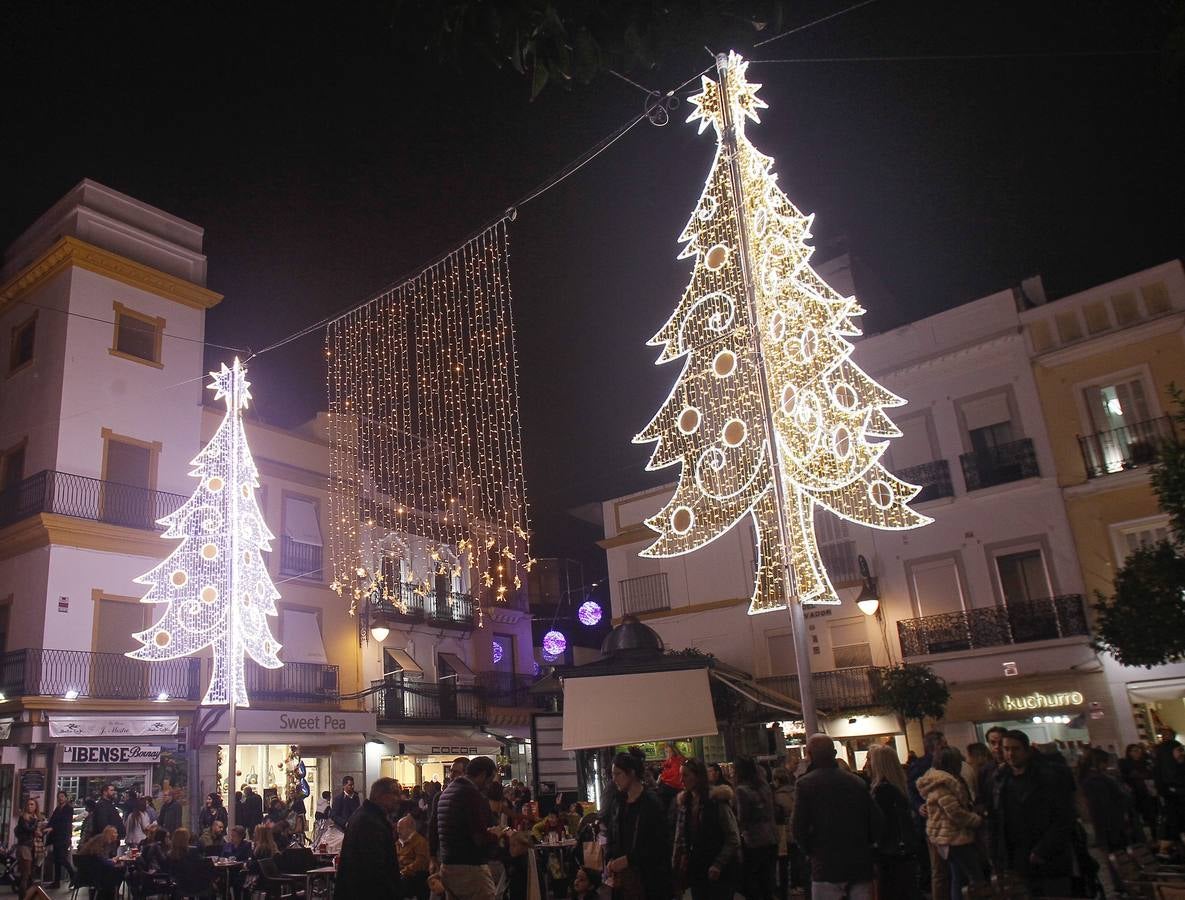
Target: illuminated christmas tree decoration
[
  {"x": 424, "y": 430},
  {"x": 554, "y": 644},
  {"x": 589, "y": 613},
  {"x": 763, "y": 337},
  {"x": 216, "y": 586}
]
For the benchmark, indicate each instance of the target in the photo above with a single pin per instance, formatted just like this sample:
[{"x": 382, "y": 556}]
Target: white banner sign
[
  {"x": 108, "y": 754},
  {"x": 100, "y": 726},
  {"x": 294, "y": 723}
]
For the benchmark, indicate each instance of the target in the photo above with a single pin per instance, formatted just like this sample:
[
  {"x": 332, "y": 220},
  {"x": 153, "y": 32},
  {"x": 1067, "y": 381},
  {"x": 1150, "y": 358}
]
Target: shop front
[
  {"x": 1070, "y": 711},
  {"x": 416, "y": 758},
  {"x": 276, "y": 746}
]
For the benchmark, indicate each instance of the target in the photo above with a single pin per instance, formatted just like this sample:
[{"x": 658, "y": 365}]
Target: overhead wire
[
  {"x": 814, "y": 22},
  {"x": 955, "y": 57}
]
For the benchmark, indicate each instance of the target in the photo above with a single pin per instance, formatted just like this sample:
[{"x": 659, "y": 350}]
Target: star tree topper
[
  {"x": 216, "y": 576},
  {"x": 829, "y": 419}
]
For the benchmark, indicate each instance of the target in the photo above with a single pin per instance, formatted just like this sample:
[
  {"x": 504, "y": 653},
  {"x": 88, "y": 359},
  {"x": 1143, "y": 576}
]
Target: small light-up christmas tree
[
  {"x": 764, "y": 338},
  {"x": 216, "y": 585}
]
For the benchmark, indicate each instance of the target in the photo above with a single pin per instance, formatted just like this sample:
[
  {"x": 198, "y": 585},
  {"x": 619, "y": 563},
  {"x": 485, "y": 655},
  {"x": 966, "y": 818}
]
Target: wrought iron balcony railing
[
  {"x": 1001, "y": 464},
  {"x": 646, "y": 593},
  {"x": 450, "y": 609},
  {"x": 408, "y": 602},
  {"x": 441, "y": 702},
  {"x": 836, "y": 690},
  {"x": 75, "y": 674},
  {"x": 81, "y": 497},
  {"x": 1044, "y": 619},
  {"x": 932, "y": 477},
  {"x": 1120, "y": 449},
  {"x": 299, "y": 560},
  {"x": 294, "y": 682},
  {"x": 511, "y": 689}
]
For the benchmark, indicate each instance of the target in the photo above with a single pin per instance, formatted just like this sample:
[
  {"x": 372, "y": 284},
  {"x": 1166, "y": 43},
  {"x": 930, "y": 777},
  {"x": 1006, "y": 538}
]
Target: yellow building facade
[{"x": 1104, "y": 360}]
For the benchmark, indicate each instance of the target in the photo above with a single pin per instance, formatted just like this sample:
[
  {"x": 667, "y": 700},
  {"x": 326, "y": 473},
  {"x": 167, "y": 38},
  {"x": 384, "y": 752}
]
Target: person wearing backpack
[{"x": 897, "y": 849}]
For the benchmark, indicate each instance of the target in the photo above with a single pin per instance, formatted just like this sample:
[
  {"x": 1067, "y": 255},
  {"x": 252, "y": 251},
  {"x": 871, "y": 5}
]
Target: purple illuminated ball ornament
[
  {"x": 496, "y": 652},
  {"x": 554, "y": 644},
  {"x": 538, "y": 669},
  {"x": 589, "y": 613}
]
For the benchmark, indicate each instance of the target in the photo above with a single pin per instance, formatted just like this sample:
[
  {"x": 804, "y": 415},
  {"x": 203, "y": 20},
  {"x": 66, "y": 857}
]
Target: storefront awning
[
  {"x": 458, "y": 666},
  {"x": 607, "y": 710},
  {"x": 1157, "y": 691},
  {"x": 403, "y": 659},
  {"x": 300, "y": 633},
  {"x": 457, "y": 743}
]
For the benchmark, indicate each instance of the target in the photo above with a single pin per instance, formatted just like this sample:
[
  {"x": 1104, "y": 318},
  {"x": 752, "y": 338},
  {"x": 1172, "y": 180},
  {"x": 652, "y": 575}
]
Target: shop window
[
  {"x": 22, "y": 343},
  {"x": 137, "y": 336},
  {"x": 12, "y": 466},
  {"x": 937, "y": 586}
]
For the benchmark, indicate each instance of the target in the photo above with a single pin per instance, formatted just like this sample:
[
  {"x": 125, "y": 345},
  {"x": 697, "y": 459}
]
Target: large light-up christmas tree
[
  {"x": 216, "y": 584},
  {"x": 764, "y": 340}
]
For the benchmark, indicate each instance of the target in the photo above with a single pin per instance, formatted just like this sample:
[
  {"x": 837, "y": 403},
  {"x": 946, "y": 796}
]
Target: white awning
[
  {"x": 457, "y": 743},
  {"x": 607, "y": 710},
  {"x": 404, "y": 660},
  {"x": 1157, "y": 691},
  {"x": 300, "y": 635},
  {"x": 457, "y": 665},
  {"x": 300, "y": 521}
]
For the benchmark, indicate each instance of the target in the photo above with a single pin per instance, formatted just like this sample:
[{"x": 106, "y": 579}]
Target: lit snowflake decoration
[{"x": 589, "y": 613}]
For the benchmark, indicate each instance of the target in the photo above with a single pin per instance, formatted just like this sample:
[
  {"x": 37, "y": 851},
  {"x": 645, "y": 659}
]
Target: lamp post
[{"x": 869, "y": 603}]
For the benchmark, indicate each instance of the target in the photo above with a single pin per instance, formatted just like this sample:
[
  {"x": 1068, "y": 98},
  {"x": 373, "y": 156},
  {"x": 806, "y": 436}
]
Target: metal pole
[
  {"x": 802, "y": 659},
  {"x": 231, "y": 636}
]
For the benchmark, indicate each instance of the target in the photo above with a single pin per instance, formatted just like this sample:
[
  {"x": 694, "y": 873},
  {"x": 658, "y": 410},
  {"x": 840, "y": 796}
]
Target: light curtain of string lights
[
  {"x": 828, "y": 414},
  {"x": 425, "y": 434},
  {"x": 217, "y": 571}
]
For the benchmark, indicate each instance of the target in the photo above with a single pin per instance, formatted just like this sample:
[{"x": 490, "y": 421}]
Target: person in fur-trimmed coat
[
  {"x": 951, "y": 824},
  {"x": 707, "y": 840}
]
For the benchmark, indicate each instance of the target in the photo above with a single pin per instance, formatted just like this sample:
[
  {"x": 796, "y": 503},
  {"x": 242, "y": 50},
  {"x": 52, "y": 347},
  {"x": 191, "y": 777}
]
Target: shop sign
[
  {"x": 1035, "y": 700},
  {"x": 109, "y": 754},
  {"x": 454, "y": 751},
  {"x": 284, "y": 722},
  {"x": 98, "y": 726}
]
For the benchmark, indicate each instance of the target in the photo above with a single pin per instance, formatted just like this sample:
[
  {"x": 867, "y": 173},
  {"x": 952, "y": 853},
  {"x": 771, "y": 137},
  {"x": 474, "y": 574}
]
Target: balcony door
[
  {"x": 108, "y": 672},
  {"x": 940, "y": 600},
  {"x": 129, "y": 482},
  {"x": 1117, "y": 411},
  {"x": 1025, "y": 590}
]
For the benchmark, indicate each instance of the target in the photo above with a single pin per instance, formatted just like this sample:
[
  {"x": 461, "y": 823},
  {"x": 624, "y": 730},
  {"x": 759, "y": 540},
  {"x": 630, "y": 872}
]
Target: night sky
[{"x": 326, "y": 157}]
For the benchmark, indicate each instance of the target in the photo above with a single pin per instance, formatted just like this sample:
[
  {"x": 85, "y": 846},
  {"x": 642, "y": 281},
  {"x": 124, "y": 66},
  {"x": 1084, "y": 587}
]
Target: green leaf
[{"x": 538, "y": 79}]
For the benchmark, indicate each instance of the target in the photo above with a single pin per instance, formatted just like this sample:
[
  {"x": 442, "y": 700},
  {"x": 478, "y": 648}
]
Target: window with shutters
[
  {"x": 936, "y": 585},
  {"x": 22, "y": 343},
  {"x": 988, "y": 421},
  {"x": 781, "y": 654},
  {"x": 300, "y": 541},
  {"x": 849, "y": 643},
  {"x": 1022, "y": 575}
]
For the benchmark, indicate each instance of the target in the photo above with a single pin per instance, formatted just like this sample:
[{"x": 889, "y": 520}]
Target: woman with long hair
[
  {"x": 27, "y": 831},
  {"x": 99, "y": 856},
  {"x": 897, "y": 863},
  {"x": 951, "y": 824},
  {"x": 759, "y": 839},
  {"x": 706, "y": 835},
  {"x": 136, "y": 822}
]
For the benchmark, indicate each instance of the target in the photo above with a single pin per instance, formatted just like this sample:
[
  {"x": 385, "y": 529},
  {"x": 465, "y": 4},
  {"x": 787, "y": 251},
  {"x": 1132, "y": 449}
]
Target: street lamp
[{"x": 379, "y": 632}]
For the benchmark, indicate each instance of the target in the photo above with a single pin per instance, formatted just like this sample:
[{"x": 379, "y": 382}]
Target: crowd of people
[{"x": 896, "y": 830}]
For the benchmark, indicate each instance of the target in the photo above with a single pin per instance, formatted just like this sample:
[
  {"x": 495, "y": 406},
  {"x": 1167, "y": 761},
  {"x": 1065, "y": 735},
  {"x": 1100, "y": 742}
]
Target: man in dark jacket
[
  {"x": 106, "y": 813},
  {"x": 169, "y": 817},
  {"x": 639, "y": 850},
  {"x": 252, "y": 810},
  {"x": 464, "y": 824},
  {"x": 836, "y": 824},
  {"x": 369, "y": 867},
  {"x": 456, "y": 770},
  {"x": 1034, "y": 818},
  {"x": 344, "y": 804}
]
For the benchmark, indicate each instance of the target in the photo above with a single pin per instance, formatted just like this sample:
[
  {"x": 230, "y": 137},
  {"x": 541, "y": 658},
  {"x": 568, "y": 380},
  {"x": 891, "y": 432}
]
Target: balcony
[
  {"x": 1120, "y": 449},
  {"x": 413, "y": 604},
  {"x": 1044, "y": 619},
  {"x": 299, "y": 560},
  {"x": 1001, "y": 464},
  {"x": 35, "y": 672},
  {"x": 414, "y": 703},
  {"x": 644, "y": 594},
  {"x": 80, "y": 497},
  {"x": 511, "y": 689},
  {"x": 294, "y": 682},
  {"x": 835, "y": 691},
  {"x": 932, "y": 477}
]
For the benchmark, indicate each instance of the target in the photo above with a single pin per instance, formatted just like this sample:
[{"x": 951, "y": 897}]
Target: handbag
[{"x": 593, "y": 855}]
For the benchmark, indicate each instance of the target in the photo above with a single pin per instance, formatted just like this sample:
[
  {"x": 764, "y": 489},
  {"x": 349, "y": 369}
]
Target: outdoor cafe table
[{"x": 325, "y": 874}]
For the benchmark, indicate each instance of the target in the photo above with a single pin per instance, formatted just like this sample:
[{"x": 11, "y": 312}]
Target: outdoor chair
[
  {"x": 277, "y": 883},
  {"x": 194, "y": 880},
  {"x": 1133, "y": 881}
]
